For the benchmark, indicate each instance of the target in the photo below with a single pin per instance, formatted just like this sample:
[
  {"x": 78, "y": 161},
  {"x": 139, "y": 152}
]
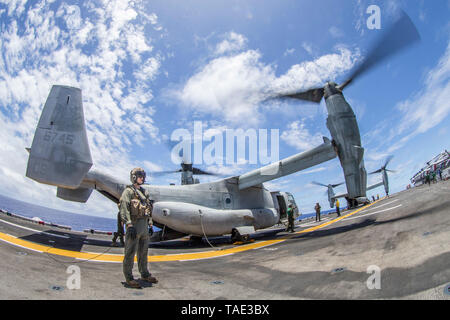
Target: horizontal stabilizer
[
  {"x": 77, "y": 195},
  {"x": 60, "y": 152}
]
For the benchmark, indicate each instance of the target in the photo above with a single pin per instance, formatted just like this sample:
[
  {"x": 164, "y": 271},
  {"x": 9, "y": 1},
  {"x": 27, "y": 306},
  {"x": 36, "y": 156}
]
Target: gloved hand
[{"x": 131, "y": 232}]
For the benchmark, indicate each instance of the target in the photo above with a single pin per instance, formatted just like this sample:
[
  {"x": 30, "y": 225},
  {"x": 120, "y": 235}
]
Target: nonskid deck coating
[
  {"x": 179, "y": 256},
  {"x": 409, "y": 243}
]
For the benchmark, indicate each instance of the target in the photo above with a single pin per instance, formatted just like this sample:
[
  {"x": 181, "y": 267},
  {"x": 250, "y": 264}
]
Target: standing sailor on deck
[
  {"x": 136, "y": 211},
  {"x": 290, "y": 214},
  {"x": 338, "y": 211}
]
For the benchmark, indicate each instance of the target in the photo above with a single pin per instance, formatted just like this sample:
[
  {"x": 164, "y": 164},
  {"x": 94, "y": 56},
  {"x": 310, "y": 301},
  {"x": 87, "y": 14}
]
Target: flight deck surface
[{"x": 406, "y": 236}]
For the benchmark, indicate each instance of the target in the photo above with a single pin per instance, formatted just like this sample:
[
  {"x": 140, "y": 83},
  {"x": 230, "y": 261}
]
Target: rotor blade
[
  {"x": 377, "y": 171},
  {"x": 336, "y": 185},
  {"x": 200, "y": 171},
  {"x": 388, "y": 160},
  {"x": 312, "y": 95},
  {"x": 390, "y": 170},
  {"x": 398, "y": 36},
  {"x": 319, "y": 184}
]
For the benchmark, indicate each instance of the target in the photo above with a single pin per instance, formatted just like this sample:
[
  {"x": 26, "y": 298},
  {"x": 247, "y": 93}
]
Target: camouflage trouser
[
  {"x": 290, "y": 224},
  {"x": 119, "y": 234},
  {"x": 140, "y": 244}
]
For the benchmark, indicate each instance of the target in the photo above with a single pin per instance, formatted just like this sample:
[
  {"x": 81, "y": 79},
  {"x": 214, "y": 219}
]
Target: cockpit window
[{"x": 291, "y": 198}]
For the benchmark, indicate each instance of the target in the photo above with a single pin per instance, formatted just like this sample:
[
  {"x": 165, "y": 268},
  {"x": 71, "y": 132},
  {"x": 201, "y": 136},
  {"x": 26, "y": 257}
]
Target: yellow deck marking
[{"x": 105, "y": 257}]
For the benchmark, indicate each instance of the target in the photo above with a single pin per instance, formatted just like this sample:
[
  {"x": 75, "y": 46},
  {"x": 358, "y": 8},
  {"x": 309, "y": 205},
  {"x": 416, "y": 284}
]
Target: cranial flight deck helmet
[{"x": 135, "y": 173}]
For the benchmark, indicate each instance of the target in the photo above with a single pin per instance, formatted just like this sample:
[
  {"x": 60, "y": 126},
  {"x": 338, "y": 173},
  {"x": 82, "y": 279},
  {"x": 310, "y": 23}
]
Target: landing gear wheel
[
  {"x": 237, "y": 237},
  {"x": 196, "y": 239}
]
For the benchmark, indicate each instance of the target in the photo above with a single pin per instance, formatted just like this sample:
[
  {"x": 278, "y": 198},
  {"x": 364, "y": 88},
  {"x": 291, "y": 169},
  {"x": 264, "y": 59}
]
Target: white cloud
[
  {"x": 423, "y": 111},
  {"x": 232, "y": 86},
  {"x": 315, "y": 73},
  {"x": 226, "y": 87},
  {"x": 15, "y": 6},
  {"x": 151, "y": 167},
  {"x": 228, "y": 170},
  {"x": 233, "y": 42},
  {"x": 282, "y": 184},
  {"x": 289, "y": 52},
  {"x": 148, "y": 70},
  {"x": 71, "y": 16},
  {"x": 299, "y": 137},
  {"x": 428, "y": 107},
  {"x": 308, "y": 47},
  {"x": 153, "y": 18},
  {"x": 87, "y": 47},
  {"x": 359, "y": 11},
  {"x": 336, "y": 32}
]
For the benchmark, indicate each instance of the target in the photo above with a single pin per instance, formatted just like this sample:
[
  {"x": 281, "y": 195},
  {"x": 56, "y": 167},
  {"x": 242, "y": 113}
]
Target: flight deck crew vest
[
  {"x": 139, "y": 207},
  {"x": 290, "y": 213}
]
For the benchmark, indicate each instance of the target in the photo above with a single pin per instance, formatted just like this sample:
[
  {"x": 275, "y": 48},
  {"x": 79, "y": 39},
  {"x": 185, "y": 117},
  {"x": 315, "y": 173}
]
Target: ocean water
[{"x": 77, "y": 221}]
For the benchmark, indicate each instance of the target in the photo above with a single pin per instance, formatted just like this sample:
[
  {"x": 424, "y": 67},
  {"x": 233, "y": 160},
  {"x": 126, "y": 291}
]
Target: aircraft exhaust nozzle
[{"x": 60, "y": 152}]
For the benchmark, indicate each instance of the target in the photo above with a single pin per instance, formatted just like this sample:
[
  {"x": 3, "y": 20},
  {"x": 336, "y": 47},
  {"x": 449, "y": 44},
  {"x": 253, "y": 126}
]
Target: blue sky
[{"x": 147, "y": 68}]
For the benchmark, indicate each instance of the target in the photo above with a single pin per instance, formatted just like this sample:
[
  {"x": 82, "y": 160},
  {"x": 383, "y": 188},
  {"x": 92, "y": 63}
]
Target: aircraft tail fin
[{"x": 60, "y": 152}]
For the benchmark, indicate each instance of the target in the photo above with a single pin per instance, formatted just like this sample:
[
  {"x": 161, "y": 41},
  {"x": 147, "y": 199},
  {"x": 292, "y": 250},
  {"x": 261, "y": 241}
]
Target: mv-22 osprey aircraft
[{"x": 237, "y": 205}]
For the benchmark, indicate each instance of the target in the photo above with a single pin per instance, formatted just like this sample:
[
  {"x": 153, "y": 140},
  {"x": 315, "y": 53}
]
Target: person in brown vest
[
  {"x": 317, "y": 208},
  {"x": 135, "y": 211}
]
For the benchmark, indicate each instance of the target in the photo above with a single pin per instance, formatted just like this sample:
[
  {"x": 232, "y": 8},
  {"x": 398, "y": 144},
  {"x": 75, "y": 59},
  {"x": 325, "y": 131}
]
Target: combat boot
[
  {"x": 150, "y": 279},
  {"x": 133, "y": 284}
]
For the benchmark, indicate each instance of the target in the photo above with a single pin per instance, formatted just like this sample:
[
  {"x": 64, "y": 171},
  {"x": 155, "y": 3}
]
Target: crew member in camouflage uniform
[
  {"x": 290, "y": 214},
  {"x": 135, "y": 211}
]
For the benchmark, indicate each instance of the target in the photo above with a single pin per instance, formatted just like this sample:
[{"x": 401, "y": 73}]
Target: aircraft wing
[
  {"x": 298, "y": 162},
  {"x": 374, "y": 186}
]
